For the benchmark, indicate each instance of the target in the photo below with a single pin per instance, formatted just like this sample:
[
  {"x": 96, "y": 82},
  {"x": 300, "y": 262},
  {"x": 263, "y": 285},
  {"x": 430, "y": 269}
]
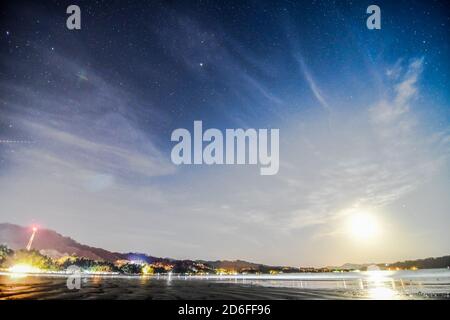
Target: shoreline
[{"x": 304, "y": 276}]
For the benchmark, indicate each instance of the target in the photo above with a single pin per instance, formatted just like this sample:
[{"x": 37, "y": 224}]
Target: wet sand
[
  {"x": 148, "y": 289},
  {"x": 41, "y": 287}
]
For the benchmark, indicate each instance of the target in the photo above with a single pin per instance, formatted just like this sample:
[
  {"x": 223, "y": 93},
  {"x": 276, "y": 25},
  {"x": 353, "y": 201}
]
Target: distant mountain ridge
[
  {"x": 16, "y": 237},
  {"x": 54, "y": 245},
  {"x": 427, "y": 263}
]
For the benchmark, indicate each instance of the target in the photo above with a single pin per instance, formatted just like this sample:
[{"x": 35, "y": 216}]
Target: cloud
[
  {"x": 404, "y": 91},
  {"x": 372, "y": 158},
  {"x": 93, "y": 163},
  {"x": 312, "y": 84},
  {"x": 73, "y": 151},
  {"x": 384, "y": 157},
  {"x": 88, "y": 127}
]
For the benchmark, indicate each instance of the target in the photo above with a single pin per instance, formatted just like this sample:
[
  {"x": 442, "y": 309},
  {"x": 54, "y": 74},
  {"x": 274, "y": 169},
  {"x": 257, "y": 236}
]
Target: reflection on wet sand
[{"x": 370, "y": 285}]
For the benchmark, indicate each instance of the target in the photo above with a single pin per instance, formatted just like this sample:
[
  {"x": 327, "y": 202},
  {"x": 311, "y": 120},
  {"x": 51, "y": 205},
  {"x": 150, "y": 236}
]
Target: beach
[{"x": 417, "y": 285}]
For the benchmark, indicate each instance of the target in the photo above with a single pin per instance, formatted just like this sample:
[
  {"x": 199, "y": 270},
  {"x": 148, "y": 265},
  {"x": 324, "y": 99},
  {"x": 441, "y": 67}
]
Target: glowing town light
[{"x": 22, "y": 270}]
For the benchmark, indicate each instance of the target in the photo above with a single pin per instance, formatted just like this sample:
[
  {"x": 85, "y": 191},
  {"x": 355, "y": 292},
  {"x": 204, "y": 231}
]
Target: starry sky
[{"x": 364, "y": 118}]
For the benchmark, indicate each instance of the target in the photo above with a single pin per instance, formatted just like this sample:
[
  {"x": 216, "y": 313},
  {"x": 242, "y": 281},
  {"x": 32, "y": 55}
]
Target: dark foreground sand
[
  {"x": 153, "y": 288},
  {"x": 114, "y": 288}
]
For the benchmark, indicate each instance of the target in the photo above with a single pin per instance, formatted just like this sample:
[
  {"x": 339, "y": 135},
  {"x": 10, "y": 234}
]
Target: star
[{"x": 201, "y": 64}]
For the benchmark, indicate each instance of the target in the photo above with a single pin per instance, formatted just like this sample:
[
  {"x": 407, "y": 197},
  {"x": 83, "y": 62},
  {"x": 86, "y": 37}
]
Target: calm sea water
[{"x": 420, "y": 284}]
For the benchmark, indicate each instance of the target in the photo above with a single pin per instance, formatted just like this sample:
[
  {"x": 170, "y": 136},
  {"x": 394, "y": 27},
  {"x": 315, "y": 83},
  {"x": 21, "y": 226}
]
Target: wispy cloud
[
  {"x": 312, "y": 84},
  {"x": 93, "y": 163},
  {"x": 371, "y": 160}
]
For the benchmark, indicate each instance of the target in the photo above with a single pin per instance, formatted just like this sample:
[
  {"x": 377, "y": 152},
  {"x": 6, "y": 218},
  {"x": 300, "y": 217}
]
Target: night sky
[{"x": 364, "y": 118}]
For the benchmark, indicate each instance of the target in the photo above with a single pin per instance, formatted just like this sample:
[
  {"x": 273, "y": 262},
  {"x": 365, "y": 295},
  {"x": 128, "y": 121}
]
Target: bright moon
[{"x": 363, "y": 226}]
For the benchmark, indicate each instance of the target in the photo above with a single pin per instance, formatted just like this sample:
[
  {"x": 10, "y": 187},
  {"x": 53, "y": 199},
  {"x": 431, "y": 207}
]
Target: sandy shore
[
  {"x": 150, "y": 288},
  {"x": 153, "y": 288}
]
